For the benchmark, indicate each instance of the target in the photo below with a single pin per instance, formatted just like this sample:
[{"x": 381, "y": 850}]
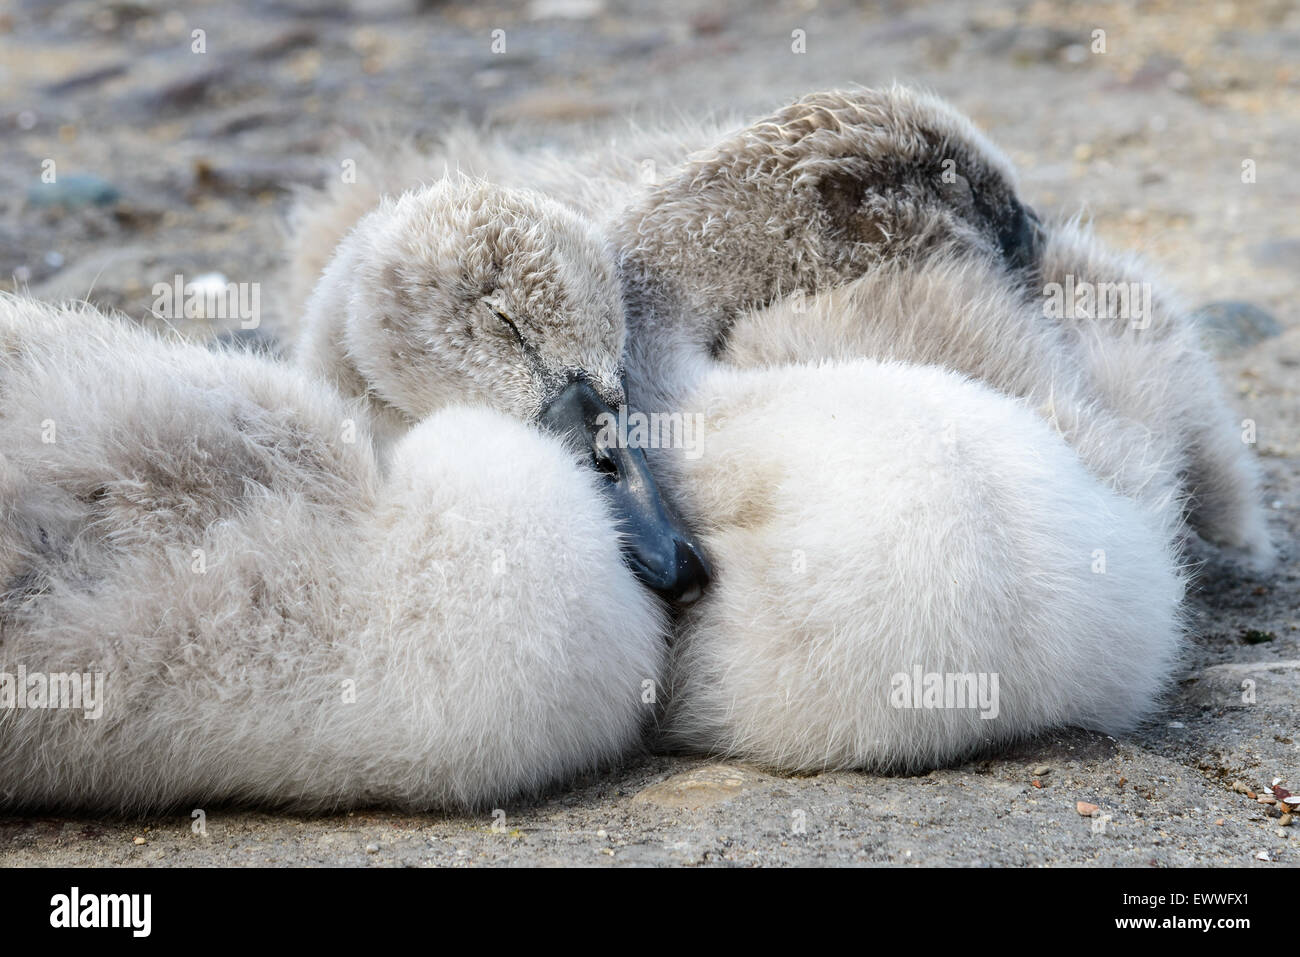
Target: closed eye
[{"x": 509, "y": 322}]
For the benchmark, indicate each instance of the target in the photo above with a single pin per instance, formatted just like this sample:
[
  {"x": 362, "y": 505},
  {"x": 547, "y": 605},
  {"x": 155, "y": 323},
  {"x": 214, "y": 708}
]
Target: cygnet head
[
  {"x": 822, "y": 190},
  {"x": 463, "y": 292},
  {"x": 899, "y": 170}
]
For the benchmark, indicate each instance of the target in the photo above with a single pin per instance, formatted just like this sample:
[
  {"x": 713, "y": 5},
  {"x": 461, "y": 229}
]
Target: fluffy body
[
  {"x": 480, "y": 615},
  {"x": 865, "y": 519}
]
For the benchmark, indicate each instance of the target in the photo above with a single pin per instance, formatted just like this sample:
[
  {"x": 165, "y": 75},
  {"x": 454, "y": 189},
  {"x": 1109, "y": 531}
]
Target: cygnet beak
[
  {"x": 656, "y": 545},
  {"x": 1020, "y": 236}
]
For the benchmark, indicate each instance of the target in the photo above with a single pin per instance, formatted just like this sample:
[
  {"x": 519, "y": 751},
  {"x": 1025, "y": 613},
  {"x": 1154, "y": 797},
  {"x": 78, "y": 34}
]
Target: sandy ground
[{"x": 191, "y": 156}]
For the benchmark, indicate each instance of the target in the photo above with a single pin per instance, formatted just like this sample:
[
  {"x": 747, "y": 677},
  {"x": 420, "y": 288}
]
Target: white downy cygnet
[
  {"x": 870, "y": 522},
  {"x": 253, "y": 611}
]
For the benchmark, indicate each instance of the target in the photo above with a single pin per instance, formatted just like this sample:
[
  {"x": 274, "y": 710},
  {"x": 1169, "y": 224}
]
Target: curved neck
[{"x": 670, "y": 343}]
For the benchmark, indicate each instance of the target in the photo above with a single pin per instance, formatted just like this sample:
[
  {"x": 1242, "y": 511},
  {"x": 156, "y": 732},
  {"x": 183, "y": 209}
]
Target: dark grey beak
[
  {"x": 656, "y": 544},
  {"x": 1020, "y": 237}
]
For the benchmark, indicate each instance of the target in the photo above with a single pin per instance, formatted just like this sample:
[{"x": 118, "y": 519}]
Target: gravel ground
[{"x": 172, "y": 161}]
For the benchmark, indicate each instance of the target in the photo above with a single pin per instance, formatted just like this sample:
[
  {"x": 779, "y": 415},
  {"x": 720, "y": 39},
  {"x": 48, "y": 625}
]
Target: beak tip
[{"x": 690, "y": 574}]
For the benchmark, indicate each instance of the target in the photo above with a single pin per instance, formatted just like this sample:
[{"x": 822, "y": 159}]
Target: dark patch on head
[
  {"x": 860, "y": 191},
  {"x": 842, "y": 195}
]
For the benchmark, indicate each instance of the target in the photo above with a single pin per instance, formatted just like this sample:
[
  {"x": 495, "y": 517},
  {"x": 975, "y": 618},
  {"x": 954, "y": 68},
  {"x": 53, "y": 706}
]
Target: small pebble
[
  {"x": 372, "y": 848},
  {"x": 1219, "y": 822},
  {"x": 1285, "y": 820},
  {"x": 139, "y": 840},
  {"x": 1042, "y": 769},
  {"x": 1086, "y": 809},
  {"x": 1262, "y": 856},
  {"x": 601, "y": 833},
  {"x": 1240, "y": 787}
]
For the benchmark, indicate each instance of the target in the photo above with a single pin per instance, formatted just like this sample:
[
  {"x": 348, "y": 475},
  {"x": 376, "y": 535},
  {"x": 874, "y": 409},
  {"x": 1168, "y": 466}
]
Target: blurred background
[{"x": 177, "y": 131}]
